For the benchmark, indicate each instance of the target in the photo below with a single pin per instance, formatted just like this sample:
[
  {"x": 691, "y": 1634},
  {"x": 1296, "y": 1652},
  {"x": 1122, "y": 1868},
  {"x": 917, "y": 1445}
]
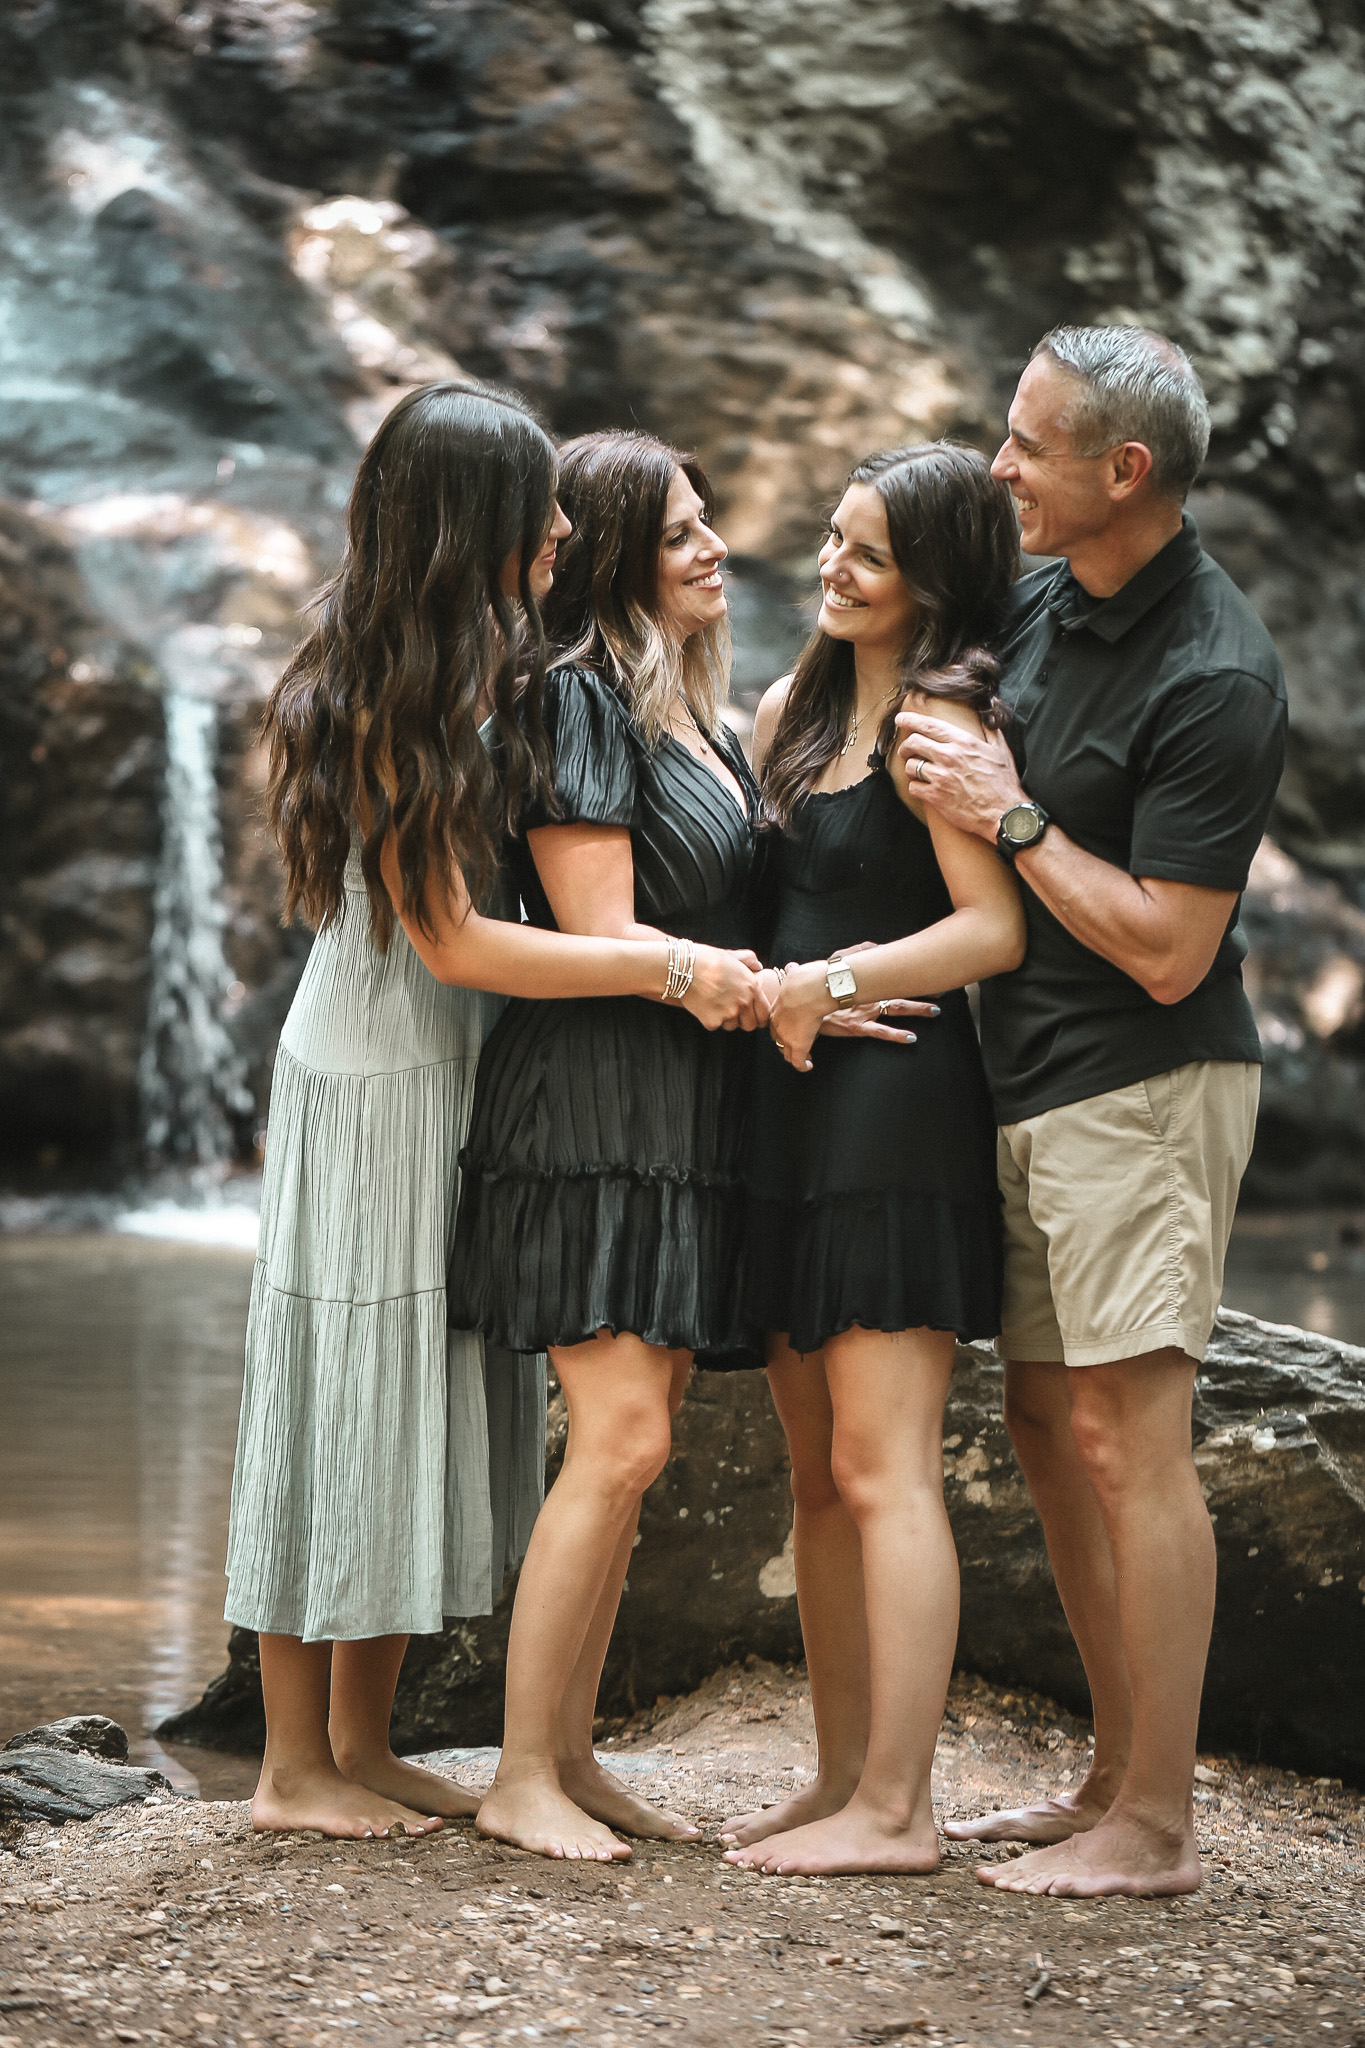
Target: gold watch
[{"x": 841, "y": 982}]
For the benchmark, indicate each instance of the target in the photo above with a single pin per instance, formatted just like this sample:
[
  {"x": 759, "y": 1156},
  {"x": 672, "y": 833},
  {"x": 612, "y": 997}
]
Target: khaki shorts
[{"x": 1118, "y": 1211}]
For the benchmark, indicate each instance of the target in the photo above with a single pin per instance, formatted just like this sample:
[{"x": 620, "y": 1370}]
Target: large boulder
[{"x": 1280, "y": 1435}]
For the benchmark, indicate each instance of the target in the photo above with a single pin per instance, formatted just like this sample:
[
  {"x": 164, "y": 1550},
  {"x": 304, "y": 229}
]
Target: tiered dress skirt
[{"x": 384, "y": 1478}]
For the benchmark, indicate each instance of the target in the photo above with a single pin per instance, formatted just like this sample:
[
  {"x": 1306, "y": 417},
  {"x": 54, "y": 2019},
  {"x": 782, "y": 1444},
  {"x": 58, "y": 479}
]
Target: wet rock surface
[
  {"x": 176, "y": 1920},
  {"x": 1280, "y": 1444},
  {"x": 1305, "y": 975},
  {"x": 71, "y": 1770}
]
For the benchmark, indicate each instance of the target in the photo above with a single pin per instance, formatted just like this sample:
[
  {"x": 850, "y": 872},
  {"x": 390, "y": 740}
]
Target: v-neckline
[{"x": 745, "y": 809}]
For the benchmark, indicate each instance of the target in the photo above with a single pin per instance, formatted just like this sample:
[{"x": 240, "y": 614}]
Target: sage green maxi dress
[{"x": 383, "y": 1479}]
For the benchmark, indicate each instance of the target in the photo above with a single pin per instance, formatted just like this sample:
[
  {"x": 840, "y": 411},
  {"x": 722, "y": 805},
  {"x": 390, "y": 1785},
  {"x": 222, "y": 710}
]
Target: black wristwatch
[{"x": 1020, "y": 827}]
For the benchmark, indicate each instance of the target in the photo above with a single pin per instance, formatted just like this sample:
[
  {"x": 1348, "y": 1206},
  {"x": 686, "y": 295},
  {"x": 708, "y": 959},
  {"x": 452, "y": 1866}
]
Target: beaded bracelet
[{"x": 682, "y": 960}]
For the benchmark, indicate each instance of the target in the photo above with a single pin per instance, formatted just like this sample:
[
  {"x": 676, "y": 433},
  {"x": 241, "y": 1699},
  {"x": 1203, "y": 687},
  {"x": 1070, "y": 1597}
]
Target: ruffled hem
[
  {"x": 378, "y": 1487},
  {"x": 643, "y": 1175},
  {"x": 543, "y": 1260},
  {"x": 877, "y": 1260}
]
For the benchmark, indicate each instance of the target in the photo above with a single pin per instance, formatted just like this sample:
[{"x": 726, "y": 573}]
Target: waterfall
[{"x": 191, "y": 1075}]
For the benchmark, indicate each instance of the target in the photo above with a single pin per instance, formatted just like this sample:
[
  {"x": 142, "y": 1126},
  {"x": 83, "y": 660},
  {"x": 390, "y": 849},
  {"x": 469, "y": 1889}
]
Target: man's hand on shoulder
[{"x": 964, "y": 773}]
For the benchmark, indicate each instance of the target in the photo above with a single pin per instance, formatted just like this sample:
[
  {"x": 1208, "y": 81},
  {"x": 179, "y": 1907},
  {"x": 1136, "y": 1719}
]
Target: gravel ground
[{"x": 172, "y": 1922}]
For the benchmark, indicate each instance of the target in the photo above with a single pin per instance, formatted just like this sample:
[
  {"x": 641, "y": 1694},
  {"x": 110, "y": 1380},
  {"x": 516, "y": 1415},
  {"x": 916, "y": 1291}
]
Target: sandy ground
[{"x": 171, "y": 1922}]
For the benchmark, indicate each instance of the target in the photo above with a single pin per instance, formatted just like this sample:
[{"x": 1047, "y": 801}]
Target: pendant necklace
[
  {"x": 705, "y": 743},
  {"x": 852, "y": 739}
]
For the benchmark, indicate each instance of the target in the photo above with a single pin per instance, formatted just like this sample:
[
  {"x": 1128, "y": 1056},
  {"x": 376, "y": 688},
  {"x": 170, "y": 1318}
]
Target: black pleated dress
[
  {"x": 873, "y": 1195},
  {"x": 603, "y": 1177}
]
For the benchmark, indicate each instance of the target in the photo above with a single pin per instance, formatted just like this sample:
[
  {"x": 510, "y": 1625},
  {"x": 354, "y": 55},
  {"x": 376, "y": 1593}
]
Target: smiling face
[
  {"x": 543, "y": 567},
  {"x": 1063, "y": 499},
  {"x": 864, "y": 597},
  {"x": 691, "y": 593}
]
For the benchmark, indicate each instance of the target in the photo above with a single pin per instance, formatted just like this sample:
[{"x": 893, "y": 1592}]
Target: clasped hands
[
  {"x": 732, "y": 992},
  {"x": 800, "y": 1010}
]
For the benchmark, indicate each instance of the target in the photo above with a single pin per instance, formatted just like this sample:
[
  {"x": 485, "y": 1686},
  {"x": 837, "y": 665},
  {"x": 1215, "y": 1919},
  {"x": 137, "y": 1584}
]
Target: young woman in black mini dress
[
  {"x": 874, "y": 1226},
  {"x": 601, "y": 1215}
]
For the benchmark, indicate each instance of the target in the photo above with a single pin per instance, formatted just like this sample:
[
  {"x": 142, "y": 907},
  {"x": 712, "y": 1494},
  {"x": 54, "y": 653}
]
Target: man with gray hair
[{"x": 1129, "y": 792}]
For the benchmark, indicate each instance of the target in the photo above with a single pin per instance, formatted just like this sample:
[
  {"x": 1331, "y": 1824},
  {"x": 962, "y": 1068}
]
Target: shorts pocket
[{"x": 1160, "y": 1092}]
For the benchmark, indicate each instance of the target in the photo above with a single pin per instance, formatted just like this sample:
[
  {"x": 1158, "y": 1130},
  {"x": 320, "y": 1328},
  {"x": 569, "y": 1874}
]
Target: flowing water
[
  {"x": 120, "y": 1373},
  {"x": 191, "y": 1075}
]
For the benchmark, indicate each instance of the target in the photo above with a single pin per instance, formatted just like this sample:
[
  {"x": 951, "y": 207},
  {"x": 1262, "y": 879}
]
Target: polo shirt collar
[{"x": 1111, "y": 617}]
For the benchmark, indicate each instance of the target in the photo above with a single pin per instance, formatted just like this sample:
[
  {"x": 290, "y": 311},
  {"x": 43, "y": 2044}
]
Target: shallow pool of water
[{"x": 120, "y": 1375}]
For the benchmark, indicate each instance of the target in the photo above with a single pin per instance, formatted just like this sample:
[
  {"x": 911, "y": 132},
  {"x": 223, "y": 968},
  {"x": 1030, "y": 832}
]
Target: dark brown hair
[
  {"x": 604, "y": 608},
  {"x": 955, "y": 540},
  {"x": 415, "y": 639}
]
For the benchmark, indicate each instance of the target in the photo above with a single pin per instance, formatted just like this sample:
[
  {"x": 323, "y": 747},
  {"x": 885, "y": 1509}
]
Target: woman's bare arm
[{"x": 464, "y": 949}]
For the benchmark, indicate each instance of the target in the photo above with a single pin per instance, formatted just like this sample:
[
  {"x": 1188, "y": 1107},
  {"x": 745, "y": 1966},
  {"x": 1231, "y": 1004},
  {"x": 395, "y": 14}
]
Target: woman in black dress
[
  {"x": 601, "y": 1215},
  {"x": 874, "y": 1226}
]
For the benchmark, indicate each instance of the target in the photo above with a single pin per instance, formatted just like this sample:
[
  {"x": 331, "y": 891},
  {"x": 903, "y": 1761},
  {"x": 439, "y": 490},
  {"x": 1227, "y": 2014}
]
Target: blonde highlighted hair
[{"x": 604, "y": 609}]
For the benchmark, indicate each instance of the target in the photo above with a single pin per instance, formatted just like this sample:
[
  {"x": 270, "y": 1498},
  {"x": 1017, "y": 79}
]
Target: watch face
[
  {"x": 841, "y": 981},
  {"x": 1020, "y": 824}
]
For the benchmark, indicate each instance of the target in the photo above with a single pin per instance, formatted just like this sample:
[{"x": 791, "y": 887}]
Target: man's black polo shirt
[{"x": 1151, "y": 726}]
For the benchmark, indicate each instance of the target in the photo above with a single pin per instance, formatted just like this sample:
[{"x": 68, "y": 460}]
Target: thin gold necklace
[
  {"x": 696, "y": 727},
  {"x": 852, "y": 739}
]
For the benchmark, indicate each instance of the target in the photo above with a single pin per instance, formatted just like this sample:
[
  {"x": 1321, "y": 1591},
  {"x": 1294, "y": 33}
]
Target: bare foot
[
  {"x": 854, "y": 1839},
  {"x": 1119, "y": 1855},
  {"x": 536, "y": 1813},
  {"x": 287, "y": 1800},
  {"x": 424, "y": 1791},
  {"x": 598, "y": 1793},
  {"x": 812, "y": 1802},
  {"x": 1047, "y": 1820}
]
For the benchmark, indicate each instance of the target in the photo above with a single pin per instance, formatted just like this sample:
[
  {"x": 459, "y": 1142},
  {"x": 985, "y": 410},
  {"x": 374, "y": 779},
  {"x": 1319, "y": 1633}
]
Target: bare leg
[
  {"x": 887, "y": 1393},
  {"x": 829, "y": 1593},
  {"x": 300, "y": 1785},
  {"x": 617, "y": 1390},
  {"x": 364, "y": 1679},
  {"x": 596, "y": 1790},
  {"x": 1038, "y": 1411},
  {"x": 1131, "y": 1422}
]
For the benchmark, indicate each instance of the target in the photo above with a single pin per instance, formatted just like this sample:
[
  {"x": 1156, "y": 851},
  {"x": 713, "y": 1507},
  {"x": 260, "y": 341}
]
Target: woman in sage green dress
[{"x": 384, "y": 1480}]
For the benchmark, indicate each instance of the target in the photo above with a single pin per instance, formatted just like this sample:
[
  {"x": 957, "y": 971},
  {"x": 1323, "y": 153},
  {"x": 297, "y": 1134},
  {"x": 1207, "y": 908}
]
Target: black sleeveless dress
[
  {"x": 873, "y": 1195},
  {"x": 603, "y": 1176}
]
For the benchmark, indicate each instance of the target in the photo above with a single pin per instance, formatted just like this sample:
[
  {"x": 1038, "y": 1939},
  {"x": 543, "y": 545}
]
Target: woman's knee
[
  {"x": 867, "y": 1478},
  {"x": 813, "y": 1489},
  {"x": 624, "y": 1453}
]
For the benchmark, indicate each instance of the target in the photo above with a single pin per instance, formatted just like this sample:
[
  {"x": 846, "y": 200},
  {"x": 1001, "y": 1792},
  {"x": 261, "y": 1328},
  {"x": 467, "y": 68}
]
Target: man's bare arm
[{"x": 1164, "y": 934}]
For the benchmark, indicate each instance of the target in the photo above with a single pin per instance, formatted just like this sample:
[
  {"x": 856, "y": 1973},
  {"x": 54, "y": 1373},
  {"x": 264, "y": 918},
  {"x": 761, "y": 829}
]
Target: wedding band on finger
[
  {"x": 780, "y": 1046},
  {"x": 919, "y": 768},
  {"x": 882, "y": 1009}
]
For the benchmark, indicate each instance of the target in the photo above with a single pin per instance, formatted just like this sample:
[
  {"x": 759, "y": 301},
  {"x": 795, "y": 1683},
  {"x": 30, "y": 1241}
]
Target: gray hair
[{"x": 1136, "y": 386}]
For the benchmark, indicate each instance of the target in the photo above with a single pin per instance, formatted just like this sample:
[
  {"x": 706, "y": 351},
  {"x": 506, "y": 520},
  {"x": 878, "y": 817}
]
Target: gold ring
[
  {"x": 919, "y": 768},
  {"x": 882, "y": 1009},
  {"x": 780, "y": 1046}
]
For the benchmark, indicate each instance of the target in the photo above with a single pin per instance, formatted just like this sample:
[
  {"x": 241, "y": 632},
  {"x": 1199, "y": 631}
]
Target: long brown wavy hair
[
  {"x": 955, "y": 540},
  {"x": 604, "y": 608},
  {"x": 374, "y": 725}
]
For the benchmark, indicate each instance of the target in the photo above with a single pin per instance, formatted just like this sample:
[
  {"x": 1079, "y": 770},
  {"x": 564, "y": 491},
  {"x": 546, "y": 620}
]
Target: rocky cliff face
[{"x": 237, "y": 229}]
